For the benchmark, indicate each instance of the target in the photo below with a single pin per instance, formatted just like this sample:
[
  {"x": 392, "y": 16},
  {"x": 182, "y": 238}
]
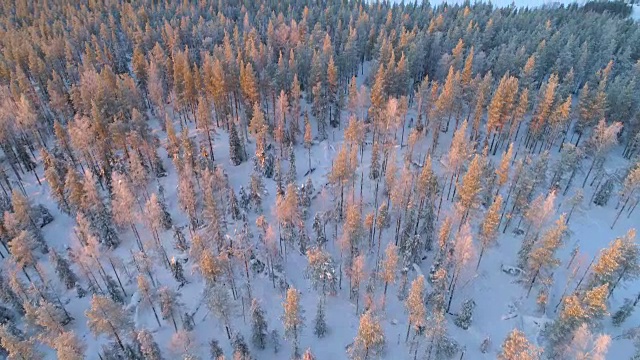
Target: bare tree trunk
[
  {"x": 585, "y": 273},
  {"x": 620, "y": 212},
  {"x": 593, "y": 163}
]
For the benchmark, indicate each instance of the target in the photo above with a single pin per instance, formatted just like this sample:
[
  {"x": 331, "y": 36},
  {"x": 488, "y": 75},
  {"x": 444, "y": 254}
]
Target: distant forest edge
[{"x": 621, "y": 8}]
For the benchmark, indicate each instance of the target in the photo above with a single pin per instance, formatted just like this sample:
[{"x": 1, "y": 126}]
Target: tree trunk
[
  {"x": 117, "y": 276},
  {"x": 617, "y": 282},
  {"x": 584, "y": 274},
  {"x": 480, "y": 257},
  {"x": 155, "y": 313},
  {"x": 173, "y": 319},
  {"x": 535, "y": 276},
  {"x": 620, "y": 212},
  {"x": 379, "y": 245},
  {"x": 570, "y": 213},
  {"x": 210, "y": 143},
  {"x": 593, "y": 163},
  {"x": 115, "y": 333},
  {"x": 632, "y": 208},
  {"x": 452, "y": 287}
]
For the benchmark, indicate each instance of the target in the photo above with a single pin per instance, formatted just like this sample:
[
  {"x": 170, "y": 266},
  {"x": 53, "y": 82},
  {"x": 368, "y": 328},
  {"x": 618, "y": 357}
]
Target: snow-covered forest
[{"x": 318, "y": 180}]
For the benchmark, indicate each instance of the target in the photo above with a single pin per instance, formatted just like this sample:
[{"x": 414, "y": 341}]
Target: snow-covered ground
[{"x": 502, "y": 303}]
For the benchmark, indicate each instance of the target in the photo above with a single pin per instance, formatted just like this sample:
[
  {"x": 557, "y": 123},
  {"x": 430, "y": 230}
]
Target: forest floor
[{"x": 502, "y": 302}]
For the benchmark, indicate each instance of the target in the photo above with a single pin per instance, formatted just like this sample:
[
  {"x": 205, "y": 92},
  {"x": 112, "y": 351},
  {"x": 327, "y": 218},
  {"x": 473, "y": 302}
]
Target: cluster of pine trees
[{"x": 470, "y": 122}]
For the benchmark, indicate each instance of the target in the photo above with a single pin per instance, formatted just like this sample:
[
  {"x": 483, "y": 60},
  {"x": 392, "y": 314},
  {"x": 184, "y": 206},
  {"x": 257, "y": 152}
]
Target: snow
[{"x": 501, "y": 302}]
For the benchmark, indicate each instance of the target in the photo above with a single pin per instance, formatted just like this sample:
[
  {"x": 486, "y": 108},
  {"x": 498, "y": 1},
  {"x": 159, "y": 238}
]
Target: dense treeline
[
  {"x": 98, "y": 91},
  {"x": 621, "y": 8}
]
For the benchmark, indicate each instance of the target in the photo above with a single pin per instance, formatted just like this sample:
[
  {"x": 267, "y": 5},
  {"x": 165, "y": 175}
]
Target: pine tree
[
  {"x": 489, "y": 226},
  {"x": 623, "y": 313},
  {"x": 629, "y": 187},
  {"x": 389, "y": 265},
  {"x": 584, "y": 345},
  {"x": 415, "y": 305},
  {"x": 462, "y": 253},
  {"x": 383, "y": 221},
  {"x": 595, "y": 302},
  {"x": 321, "y": 270},
  {"x": 240, "y": 348},
  {"x": 470, "y": 188},
  {"x": 547, "y": 96},
  {"x": 332, "y": 93},
  {"x": 257, "y": 191},
  {"x": 308, "y": 355},
  {"x": 187, "y": 197},
  {"x": 378, "y": 95},
  {"x": 109, "y": 318},
  {"x": 275, "y": 340},
  {"x": 244, "y": 199},
  {"x": 236, "y": 152},
  {"x": 69, "y": 347},
  {"x": 21, "y": 248},
  {"x": 308, "y": 137},
  {"x": 517, "y": 347},
  {"x": 219, "y": 302},
  {"x": 17, "y": 346},
  {"x": 73, "y": 189},
  {"x": 542, "y": 258},
  {"x": 148, "y": 347},
  {"x": 320, "y": 324},
  {"x": 204, "y": 122},
  {"x": 167, "y": 222},
  {"x": 291, "y": 173},
  {"x": 177, "y": 271},
  {"x": 123, "y": 205},
  {"x": 22, "y": 211},
  {"x": 113, "y": 290},
  {"x": 63, "y": 270},
  {"x": 169, "y": 304},
  {"x": 374, "y": 169},
  {"x": 503, "y": 169},
  {"x": 448, "y": 95},
  {"x": 318, "y": 109},
  {"x": 340, "y": 175},
  {"x": 463, "y": 320},
  {"x": 536, "y": 216},
  {"x": 156, "y": 222},
  {"x": 211, "y": 215},
  {"x": 288, "y": 214},
  {"x": 602, "y": 140},
  {"x": 9, "y": 297},
  {"x": 182, "y": 343},
  {"x": 259, "y": 330},
  {"x": 173, "y": 144},
  {"x": 50, "y": 318},
  {"x": 501, "y": 107},
  {"x": 215, "y": 351},
  {"x": 234, "y": 209},
  {"x": 356, "y": 275},
  {"x": 572, "y": 315},
  {"x": 56, "y": 184},
  {"x": 148, "y": 295},
  {"x": 294, "y": 100},
  {"x": 370, "y": 338},
  {"x": 292, "y": 319},
  {"x": 278, "y": 178},
  {"x": 187, "y": 322}
]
